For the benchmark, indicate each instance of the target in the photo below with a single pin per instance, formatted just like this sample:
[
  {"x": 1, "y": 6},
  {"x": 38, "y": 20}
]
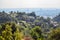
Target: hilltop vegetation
[{"x": 28, "y": 26}]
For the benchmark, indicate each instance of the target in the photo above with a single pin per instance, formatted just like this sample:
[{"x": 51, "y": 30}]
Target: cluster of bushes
[
  {"x": 10, "y": 31},
  {"x": 13, "y": 31}
]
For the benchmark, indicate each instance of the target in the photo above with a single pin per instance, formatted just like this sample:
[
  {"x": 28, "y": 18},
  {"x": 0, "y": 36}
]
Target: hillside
[
  {"x": 4, "y": 17},
  {"x": 27, "y": 26},
  {"x": 57, "y": 18}
]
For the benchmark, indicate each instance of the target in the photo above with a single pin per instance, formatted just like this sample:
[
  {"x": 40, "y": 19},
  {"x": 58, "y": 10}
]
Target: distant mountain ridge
[{"x": 45, "y": 12}]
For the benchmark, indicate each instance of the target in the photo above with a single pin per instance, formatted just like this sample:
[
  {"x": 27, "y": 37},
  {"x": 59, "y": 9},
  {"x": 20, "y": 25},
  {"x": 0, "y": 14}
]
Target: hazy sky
[{"x": 29, "y": 3}]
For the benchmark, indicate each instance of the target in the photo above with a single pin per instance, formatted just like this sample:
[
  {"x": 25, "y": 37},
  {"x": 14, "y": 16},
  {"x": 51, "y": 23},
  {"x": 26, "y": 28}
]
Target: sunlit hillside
[{"x": 16, "y": 25}]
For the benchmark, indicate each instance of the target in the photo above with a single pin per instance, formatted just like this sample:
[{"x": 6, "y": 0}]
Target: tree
[
  {"x": 36, "y": 33},
  {"x": 11, "y": 12},
  {"x": 54, "y": 34},
  {"x": 7, "y": 34},
  {"x": 3, "y": 11},
  {"x": 10, "y": 31},
  {"x": 18, "y": 35},
  {"x": 32, "y": 14},
  {"x": 1, "y": 38}
]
